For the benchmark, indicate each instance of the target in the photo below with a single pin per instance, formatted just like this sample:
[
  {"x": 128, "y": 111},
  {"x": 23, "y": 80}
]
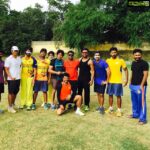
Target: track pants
[
  {"x": 138, "y": 98},
  {"x": 26, "y": 94}
]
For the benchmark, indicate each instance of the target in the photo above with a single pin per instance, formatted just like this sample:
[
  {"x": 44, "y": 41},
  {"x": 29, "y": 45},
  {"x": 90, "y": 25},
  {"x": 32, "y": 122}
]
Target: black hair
[
  {"x": 137, "y": 51},
  {"x": 60, "y": 51},
  {"x": 51, "y": 52},
  {"x": 66, "y": 75},
  {"x": 85, "y": 49},
  {"x": 113, "y": 49},
  {"x": 97, "y": 52},
  {"x": 71, "y": 52},
  {"x": 43, "y": 50},
  {"x": 30, "y": 49}
]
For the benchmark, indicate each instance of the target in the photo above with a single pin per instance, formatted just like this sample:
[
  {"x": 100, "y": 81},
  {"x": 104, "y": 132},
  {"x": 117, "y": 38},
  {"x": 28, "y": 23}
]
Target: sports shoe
[
  {"x": 33, "y": 107},
  {"x": 98, "y": 108},
  {"x": 1, "y": 111},
  {"x": 21, "y": 107},
  {"x": 86, "y": 108},
  {"x": 101, "y": 110},
  {"x": 109, "y": 111},
  {"x": 118, "y": 113},
  {"x": 70, "y": 106},
  {"x": 78, "y": 112},
  {"x": 11, "y": 110},
  {"x": 53, "y": 107},
  {"x": 45, "y": 106},
  {"x": 28, "y": 108},
  {"x": 49, "y": 105}
]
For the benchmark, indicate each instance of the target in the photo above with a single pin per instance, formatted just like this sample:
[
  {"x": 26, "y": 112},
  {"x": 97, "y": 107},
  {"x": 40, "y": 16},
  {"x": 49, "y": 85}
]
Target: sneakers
[
  {"x": 42, "y": 104},
  {"x": 109, "y": 111},
  {"x": 98, "y": 108},
  {"x": 49, "y": 105},
  {"x": 11, "y": 110},
  {"x": 53, "y": 107},
  {"x": 118, "y": 113},
  {"x": 33, "y": 107},
  {"x": 28, "y": 108},
  {"x": 78, "y": 112},
  {"x": 101, "y": 110},
  {"x": 46, "y": 106},
  {"x": 86, "y": 108}
]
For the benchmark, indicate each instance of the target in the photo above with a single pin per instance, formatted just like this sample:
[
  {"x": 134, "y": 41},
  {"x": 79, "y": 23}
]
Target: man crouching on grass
[{"x": 64, "y": 95}]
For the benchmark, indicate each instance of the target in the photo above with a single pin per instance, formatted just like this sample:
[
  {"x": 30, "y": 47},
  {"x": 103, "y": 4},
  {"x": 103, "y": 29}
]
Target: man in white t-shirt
[{"x": 13, "y": 70}]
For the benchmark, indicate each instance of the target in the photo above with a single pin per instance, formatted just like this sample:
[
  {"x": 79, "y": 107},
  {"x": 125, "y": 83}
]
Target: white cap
[{"x": 14, "y": 48}]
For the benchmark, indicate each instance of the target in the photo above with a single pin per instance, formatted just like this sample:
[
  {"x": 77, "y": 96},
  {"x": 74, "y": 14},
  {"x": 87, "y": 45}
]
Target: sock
[
  {"x": 78, "y": 109},
  {"x": 111, "y": 108},
  {"x": 119, "y": 109}
]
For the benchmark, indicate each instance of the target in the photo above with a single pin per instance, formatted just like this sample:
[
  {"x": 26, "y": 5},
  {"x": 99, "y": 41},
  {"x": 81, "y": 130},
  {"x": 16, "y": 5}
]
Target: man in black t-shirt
[{"x": 139, "y": 69}]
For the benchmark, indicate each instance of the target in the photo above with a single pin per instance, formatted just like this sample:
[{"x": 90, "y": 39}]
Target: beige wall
[{"x": 49, "y": 45}]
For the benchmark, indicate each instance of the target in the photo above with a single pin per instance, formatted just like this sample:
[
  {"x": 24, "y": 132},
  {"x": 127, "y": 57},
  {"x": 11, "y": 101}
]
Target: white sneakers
[
  {"x": 11, "y": 110},
  {"x": 78, "y": 112}
]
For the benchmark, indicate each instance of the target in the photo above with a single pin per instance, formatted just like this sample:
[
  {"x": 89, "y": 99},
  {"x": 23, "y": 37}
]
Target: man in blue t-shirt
[{"x": 100, "y": 79}]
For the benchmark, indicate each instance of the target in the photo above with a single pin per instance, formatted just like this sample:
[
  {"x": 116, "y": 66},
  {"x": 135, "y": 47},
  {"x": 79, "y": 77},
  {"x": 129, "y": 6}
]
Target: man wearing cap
[
  {"x": 13, "y": 70},
  {"x": 2, "y": 73},
  {"x": 27, "y": 79}
]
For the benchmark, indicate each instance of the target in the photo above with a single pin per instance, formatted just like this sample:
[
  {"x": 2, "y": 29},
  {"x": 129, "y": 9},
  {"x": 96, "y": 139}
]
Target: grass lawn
[{"x": 44, "y": 130}]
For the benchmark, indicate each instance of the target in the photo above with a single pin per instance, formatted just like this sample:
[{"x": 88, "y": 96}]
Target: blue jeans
[{"x": 138, "y": 110}]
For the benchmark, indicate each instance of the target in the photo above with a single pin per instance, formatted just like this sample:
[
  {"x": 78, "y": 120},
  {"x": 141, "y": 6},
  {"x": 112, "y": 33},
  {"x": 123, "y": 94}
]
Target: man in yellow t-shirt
[
  {"x": 41, "y": 78},
  {"x": 114, "y": 87},
  {"x": 27, "y": 77}
]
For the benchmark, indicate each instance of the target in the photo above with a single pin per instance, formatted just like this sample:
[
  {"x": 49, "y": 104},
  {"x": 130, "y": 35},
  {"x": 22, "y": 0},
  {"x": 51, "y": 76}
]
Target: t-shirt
[
  {"x": 14, "y": 65},
  {"x": 137, "y": 69},
  {"x": 58, "y": 65},
  {"x": 42, "y": 69},
  {"x": 1, "y": 71},
  {"x": 100, "y": 71},
  {"x": 71, "y": 67},
  {"x": 28, "y": 65},
  {"x": 116, "y": 66},
  {"x": 65, "y": 91}
]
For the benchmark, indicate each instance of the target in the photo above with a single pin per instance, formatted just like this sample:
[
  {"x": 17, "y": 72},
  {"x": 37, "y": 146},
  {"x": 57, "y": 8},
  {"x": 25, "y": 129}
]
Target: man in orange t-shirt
[
  {"x": 71, "y": 67},
  {"x": 65, "y": 95}
]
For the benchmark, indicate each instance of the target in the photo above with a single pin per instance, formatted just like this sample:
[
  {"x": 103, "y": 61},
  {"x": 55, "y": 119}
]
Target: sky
[{"x": 19, "y": 5}]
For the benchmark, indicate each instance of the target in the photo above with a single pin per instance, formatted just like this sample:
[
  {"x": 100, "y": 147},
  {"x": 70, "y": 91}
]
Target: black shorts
[
  {"x": 13, "y": 86},
  {"x": 1, "y": 87},
  {"x": 99, "y": 88},
  {"x": 65, "y": 102}
]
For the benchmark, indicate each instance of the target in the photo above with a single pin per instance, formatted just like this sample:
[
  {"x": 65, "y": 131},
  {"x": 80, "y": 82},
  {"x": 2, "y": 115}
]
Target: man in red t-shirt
[
  {"x": 65, "y": 95},
  {"x": 71, "y": 67}
]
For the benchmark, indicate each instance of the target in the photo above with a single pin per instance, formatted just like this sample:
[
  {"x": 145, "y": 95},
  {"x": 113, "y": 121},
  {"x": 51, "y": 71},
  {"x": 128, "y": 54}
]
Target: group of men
[{"x": 68, "y": 78}]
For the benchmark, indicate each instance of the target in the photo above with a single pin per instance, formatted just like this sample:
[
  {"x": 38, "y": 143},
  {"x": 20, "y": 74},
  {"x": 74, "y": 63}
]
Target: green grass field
[{"x": 44, "y": 130}]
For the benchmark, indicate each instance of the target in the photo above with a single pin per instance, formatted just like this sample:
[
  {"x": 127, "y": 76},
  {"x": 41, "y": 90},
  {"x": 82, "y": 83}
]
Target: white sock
[
  {"x": 78, "y": 109},
  {"x": 119, "y": 109},
  {"x": 111, "y": 108}
]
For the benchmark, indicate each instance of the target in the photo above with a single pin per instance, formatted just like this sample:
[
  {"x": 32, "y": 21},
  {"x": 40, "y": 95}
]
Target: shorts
[
  {"x": 40, "y": 86},
  {"x": 99, "y": 88},
  {"x": 115, "y": 89},
  {"x": 1, "y": 87},
  {"x": 54, "y": 83},
  {"x": 13, "y": 86},
  {"x": 65, "y": 102}
]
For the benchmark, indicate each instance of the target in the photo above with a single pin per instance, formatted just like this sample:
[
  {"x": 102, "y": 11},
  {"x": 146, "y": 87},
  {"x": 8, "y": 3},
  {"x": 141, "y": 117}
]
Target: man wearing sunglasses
[{"x": 71, "y": 67}]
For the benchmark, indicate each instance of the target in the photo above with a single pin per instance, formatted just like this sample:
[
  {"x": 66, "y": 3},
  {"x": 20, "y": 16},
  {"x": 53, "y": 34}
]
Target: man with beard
[
  {"x": 42, "y": 78},
  {"x": 65, "y": 95},
  {"x": 71, "y": 67},
  {"x": 114, "y": 87},
  {"x": 27, "y": 79},
  {"x": 138, "y": 86},
  {"x": 86, "y": 76},
  {"x": 100, "y": 79},
  {"x": 13, "y": 70},
  {"x": 2, "y": 75}
]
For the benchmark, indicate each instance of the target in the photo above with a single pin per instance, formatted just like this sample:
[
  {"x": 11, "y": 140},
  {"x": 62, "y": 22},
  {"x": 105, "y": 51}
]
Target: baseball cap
[{"x": 14, "y": 48}]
